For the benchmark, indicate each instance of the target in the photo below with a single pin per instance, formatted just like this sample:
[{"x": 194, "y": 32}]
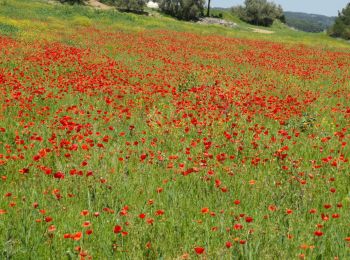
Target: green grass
[
  {"x": 29, "y": 15},
  {"x": 144, "y": 114}
]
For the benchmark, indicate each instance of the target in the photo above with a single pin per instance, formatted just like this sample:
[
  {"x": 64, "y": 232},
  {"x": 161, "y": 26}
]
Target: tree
[
  {"x": 183, "y": 9},
  {"x": 73, "y": 1},
  {"x": 131, "y": 5},
  {"x": 208, "y": 10},
  {"x": 127, "y": 5},
  {"x": 259, "y": 12},
  {"x": 341, "y": 27}
]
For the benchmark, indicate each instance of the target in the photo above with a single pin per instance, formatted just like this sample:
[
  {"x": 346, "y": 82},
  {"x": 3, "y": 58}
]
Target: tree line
[
  {"x": 256, "y": 12},
  {"x": 341, "y": 27},
  {"x": 259, "y": 12}
]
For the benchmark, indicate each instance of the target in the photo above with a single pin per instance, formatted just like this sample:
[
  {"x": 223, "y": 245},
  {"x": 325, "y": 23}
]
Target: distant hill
[
  {"x": 298, "y": 20},
  {"x": 308, "y": 22}
]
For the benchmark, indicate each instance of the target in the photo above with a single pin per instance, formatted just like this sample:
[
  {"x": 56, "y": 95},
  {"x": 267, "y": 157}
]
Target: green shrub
[
  {"x": 127, "y": 5},
  {"x": 72, "y": 1},
  {"x": 8, "y": 29},
  {"x": 81, "y": 21},
  {"x": 259, "y": 12},
  {"x": 341, "y": 27},
  {"x": 183, "y": 9}
]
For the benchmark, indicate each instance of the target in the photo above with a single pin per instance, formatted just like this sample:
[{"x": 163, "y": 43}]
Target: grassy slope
[
  {"x": 246, "y": 75},
  {"x": 32, "y": 18}
]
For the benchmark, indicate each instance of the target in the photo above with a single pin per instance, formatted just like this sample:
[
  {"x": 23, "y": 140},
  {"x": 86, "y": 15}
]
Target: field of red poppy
[{"x": 173, "y": 145}]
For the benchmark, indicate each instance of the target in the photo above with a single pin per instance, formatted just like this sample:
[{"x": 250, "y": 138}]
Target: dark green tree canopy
[
  {"x": 183, "y": 9},
  {"x": 72, "y": 1},
  {"x": 127, "y": 5},
  {"x": 131, "y": 5},
  {"x": 341, "y": 27},
  {"x": 259, "y": 12}
]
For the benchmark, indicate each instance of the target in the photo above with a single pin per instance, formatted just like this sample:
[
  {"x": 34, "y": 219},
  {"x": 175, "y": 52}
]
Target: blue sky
[{"x": 326, "y": 7}]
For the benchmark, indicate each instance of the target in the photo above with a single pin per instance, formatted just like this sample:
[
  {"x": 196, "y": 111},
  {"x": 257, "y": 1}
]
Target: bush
[
  {"x": 259, "y": 12},
  {"x": 130, "y": 5},
  {"x": 135, "y": 6},
  {"x": 341, "y": 27},
  {"x": 81, "y": 21},
  {"x": 183, "y": 9},
  {"x": 8, "y": 29},
  {"x": 72, "y": 1}
]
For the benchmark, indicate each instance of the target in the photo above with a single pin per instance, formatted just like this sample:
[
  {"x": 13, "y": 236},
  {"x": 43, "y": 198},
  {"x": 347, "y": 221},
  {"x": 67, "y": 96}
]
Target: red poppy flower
[
  {"x": 117, "y": 229},
  {"x": 312, "y": 211},
  {"x": 77, "y": 236},
  {"x": 228, "y": 244},
  {"x": 159, "y": 212},
  {"x": 249, "y": 219},
  {"x": 48, "y": 219},
  {"x": 289, "y": 211},
  {"x": 205, "y": 210},
  {"x": 58, "y": 175},
  {"x": 84, "y": 212},
  {"x": 86, "y": 224},
  {"x": 51, "y": 228},
  {"x": 199, "y": 250},
  {"x": 318, "y": 233},
  {"x": 237, "y": 226}
]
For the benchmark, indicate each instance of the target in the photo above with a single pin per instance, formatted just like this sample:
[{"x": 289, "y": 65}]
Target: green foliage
[
  {"x": 341, "y": 27},
  {"x": 127, "y": 5},
  {"x": 259, "y": 12},
  {"x": 304, "y": 123},
  {"x": 60, "y": 98},
  {"x": 224, "y": 13},
  {"x": 8, "y": 29},
  {"x": 56, "y": 17},
  {"x": 305, "y": 26},
  {"x": 81, "y": 21},
  {"x": 131, "y": 5},
  {"x": 190, "y": 81},
  {"x": 108, "y": 2},
  {"x": 72, "y": 1},
  {"x": 183, "y": 9}
]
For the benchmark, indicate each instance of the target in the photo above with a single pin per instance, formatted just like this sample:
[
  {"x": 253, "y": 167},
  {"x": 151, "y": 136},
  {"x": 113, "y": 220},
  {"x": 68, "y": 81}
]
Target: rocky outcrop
[{"x": 218, "y": 21}]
